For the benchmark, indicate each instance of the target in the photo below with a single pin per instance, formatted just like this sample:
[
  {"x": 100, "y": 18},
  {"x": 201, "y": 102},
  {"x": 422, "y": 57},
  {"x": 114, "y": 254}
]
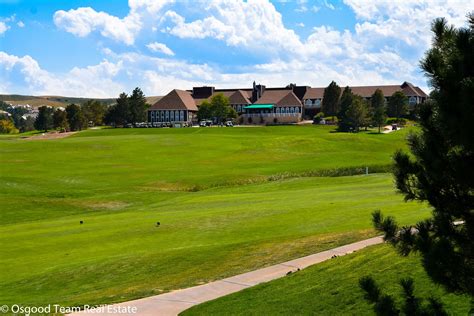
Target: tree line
[
  {"x": 129, "y": 109},
  {"x": 353, "y": 111}
]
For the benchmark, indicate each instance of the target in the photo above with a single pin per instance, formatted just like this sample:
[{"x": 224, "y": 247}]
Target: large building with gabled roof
[{"x": 262, "y": 105}]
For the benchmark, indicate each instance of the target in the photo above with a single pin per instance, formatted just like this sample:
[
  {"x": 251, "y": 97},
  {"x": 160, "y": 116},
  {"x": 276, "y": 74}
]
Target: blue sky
[{"x": 101, "y": 48}]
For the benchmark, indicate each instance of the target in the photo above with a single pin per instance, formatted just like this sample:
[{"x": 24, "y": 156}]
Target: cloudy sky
[{"x": 101, "y": 48}]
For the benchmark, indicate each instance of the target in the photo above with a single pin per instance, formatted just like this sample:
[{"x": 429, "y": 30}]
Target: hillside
[
  {"x": 225, "y": 198},
  {"x": 56, "y": 101}
]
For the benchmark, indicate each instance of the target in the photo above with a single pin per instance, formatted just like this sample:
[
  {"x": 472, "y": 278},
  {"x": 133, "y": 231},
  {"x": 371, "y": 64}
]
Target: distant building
[
  {"x": 178, "y": 106},
  {"x": 262, "y": 105}
]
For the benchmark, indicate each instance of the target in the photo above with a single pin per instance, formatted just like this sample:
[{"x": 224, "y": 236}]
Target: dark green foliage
[
  {"x": 440, "y": 167},
  {"x": 384, "y": 304},
  {"x": 60, "y": 120},
  {"x": 355, "y": 116},
  {"x": 318, "y": 118},
  {"x": 25, "y": 125},
  {"x": 94, "y": 111},
  {"x": 118, "y": 114},
  {"x": 75, "y": 117},
  {"x": 331, "y": 97},
  {"x": 44, "y": 121},
  {"x": 218, "y": 109},
  {"x": 204, "y": 111},
  {"x": 137, "y": 106},
  {"x": 128, "y": 109},
  {"x": 398, "y": 104},
  {"x": 377, "y": 109},
  {"x": 345, "y": 102}
]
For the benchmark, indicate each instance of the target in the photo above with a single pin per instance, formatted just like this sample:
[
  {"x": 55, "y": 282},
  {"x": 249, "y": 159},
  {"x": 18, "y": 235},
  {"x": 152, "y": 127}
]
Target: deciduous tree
[{"x": 94, "y": 112}]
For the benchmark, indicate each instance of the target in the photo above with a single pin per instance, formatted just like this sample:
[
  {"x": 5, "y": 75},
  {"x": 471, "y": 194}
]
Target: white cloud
[
  {"x": 20, "y": 24},
  {"x": 408, "y": 21},
  {"x": 161, "y": 48},
  {"x": 93, "y": 81},
  {"x": 82, "y": 21},
  {"x": 3, "y": 27},
  {"x": 253, "y": 24},
  {"x": 371, "y": 54},
  {"x": 329, "y": 5}
]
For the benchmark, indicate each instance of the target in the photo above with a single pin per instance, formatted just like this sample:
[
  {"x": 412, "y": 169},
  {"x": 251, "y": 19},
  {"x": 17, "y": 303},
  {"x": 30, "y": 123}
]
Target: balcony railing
[{"x": 271, "y": 114}]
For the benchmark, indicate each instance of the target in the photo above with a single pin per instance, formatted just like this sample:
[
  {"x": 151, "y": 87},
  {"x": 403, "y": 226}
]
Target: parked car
[{"x": 229, "y": 124}]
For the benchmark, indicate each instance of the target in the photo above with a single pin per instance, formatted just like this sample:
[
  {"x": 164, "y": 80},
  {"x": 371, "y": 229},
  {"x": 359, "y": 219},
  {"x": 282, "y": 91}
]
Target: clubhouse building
[{"x": 262, "y": 105}]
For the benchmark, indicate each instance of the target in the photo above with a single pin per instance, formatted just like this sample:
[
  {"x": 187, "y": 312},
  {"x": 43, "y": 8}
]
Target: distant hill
[{"x": 56, "y": 101}]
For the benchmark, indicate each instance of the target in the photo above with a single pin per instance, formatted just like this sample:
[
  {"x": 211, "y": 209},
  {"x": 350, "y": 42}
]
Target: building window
[
  {"x": 412, "y": 100},
  {"x": 317, "y": 102}
]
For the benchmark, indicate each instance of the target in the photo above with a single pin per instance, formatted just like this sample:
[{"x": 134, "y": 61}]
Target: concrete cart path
[{"x": 173, "y": 303}]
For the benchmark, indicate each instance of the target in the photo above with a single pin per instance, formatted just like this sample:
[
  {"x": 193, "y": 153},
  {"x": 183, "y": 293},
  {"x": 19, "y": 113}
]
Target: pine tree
[
  {"x": 398, "y": 105},
  {"x": 345, "y": 102},
  {"x": 60, "y": 120},
  {"x": 137, "y": 106},
  {"x": 331, "y": 97},
  {"x": 356, "y": 114},
  {"x": 75, "y": 117},
  {"x": 94, "y": 111},
  {"x": 440, "y": 168},
  {"x": 44, "y": 120},
  {"x": 377, "y": 108}
]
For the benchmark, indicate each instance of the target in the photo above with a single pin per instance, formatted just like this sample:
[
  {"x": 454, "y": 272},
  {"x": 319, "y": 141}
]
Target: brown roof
[
  {"x": 198, "y": 101},
  {"x": 421, "y": 92},
  {"x": 314, "y": 93},
  {"x": 239, "y": 97},
  {"x": 368, "y": 91},
  {"x": 176, "y": 100},
  {"x": 279, "y": 98},
  {"x": 289, "y": 99}
]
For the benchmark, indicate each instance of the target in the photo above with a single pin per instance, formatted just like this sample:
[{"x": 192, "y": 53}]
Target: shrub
[
  {"x": 318, "y": 117},
  {"x": 394, "y": 120},
  {"x": 7, "y": 127}
]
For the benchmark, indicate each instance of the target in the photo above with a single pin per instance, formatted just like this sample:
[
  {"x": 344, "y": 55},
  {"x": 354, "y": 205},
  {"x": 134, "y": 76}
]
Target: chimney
[
  {"x": 202, "y": 92},
  {"x": 257, "y": 91}
]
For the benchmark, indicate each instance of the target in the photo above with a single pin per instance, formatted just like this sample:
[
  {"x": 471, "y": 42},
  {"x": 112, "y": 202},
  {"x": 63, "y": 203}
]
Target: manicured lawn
[
  {"x": 331, "y": 288},
  {"x": 198, "y": 184}
]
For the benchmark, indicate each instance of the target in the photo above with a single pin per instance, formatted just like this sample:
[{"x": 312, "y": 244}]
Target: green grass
[
  {"x": 220, "y": 215},
  {"x": 331, "y": 288}
]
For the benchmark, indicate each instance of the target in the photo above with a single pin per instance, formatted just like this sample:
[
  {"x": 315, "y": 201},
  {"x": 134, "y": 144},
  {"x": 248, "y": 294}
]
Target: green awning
[{"x": 259, "y": 106}]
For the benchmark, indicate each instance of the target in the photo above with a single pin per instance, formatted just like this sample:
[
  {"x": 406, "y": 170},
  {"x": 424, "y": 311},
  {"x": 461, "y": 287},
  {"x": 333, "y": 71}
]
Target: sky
[{"x": 101, "y": 48}]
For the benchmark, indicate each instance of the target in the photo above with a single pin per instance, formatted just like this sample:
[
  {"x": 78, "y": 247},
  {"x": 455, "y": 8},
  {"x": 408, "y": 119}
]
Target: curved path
[{"x": 174, "y": 302}]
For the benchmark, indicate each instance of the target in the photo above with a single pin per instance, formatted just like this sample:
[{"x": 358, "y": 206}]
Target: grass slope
[
  {"x": 331, "y": 288},
  {"x": 121, "y": 182}
]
